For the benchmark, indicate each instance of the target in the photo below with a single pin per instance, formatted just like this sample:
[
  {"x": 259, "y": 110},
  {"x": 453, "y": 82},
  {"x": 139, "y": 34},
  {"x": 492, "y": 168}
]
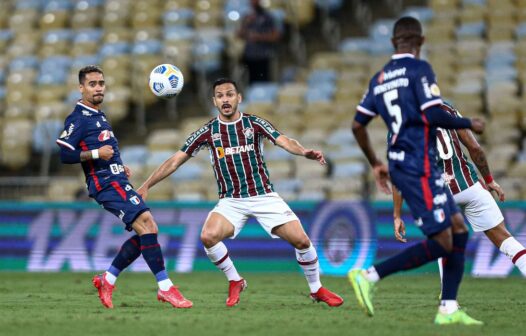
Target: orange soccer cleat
[
  {"x": 234, "y": 289},
  {"x": 105, "y": 289},
  {"x": 325, "y": 295},
  {"x": 174, "y": 297}
]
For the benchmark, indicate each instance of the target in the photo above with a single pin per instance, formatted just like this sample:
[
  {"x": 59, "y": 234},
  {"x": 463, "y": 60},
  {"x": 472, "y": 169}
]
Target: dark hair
[
  {"x": 221, "y": 81},
  {"x": 88, "y": 69},
  {"x": 407, "y": 26}
]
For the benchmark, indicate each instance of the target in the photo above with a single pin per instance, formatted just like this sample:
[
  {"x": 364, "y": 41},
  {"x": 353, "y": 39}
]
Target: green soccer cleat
[
  {"x": 458, "y": 317},
  {"x": 363, "y": 289}
]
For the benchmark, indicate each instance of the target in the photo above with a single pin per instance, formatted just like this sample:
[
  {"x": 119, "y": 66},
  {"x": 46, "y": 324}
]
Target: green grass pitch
[{"x": 274, "y": 304}]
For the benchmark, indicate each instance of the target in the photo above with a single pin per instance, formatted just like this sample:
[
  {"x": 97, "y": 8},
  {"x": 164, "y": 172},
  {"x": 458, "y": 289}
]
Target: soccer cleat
[
  {"x": 104, "y": 288},
  {"x": 174, "y": 297},
  {"x": 234, "y": 289},
  {"x": 363, "y": 289},
  {"x": 458, "y": 317},
  {"x": 325, "y": 295}
]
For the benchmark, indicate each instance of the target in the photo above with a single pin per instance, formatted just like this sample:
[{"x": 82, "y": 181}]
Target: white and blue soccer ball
[{"x": 166, "y": 81}]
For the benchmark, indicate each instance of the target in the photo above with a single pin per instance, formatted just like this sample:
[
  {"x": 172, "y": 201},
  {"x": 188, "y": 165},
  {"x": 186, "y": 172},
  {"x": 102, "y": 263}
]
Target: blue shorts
[
  {"x": 428, "y": 198},
  {"x": 119, "y": 198}
]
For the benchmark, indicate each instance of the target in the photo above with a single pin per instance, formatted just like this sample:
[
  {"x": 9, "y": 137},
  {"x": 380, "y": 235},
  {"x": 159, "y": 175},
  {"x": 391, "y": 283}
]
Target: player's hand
[
  {"x": 106, "y": 152},
  {"x": 399, "y": 230},
  {"x": 495, "y": 187},
  {"x": 127, "y": 171},
  {"x": 381, "y": 176},
  {"x": 315, "y": 155},
  {"x": 143, "y": 191},
  {"x": 478, "y": 125}
]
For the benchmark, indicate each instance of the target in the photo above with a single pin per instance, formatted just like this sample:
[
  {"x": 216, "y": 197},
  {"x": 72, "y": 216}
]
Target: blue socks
[
  {"x": 411, "y": 257},
  {"x": 454, "y": 267},
  {"x": 129, "y": 251},
  {"x": 152, "y": 254}
]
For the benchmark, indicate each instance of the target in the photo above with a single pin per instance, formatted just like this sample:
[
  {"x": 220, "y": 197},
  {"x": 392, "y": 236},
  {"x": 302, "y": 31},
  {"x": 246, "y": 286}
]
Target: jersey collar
[
  {"x": 86, "y": 107},
  {"x": 231, "y": 122},
  {"x": 398, "y": 56}
]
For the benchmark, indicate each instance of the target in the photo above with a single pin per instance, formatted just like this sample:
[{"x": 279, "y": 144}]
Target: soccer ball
[{"x": 166, "y": 81}]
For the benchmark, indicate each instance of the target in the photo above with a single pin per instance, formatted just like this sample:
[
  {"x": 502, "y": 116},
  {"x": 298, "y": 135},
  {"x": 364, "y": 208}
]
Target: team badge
[
  {"x": 439, "y": 215},
  {"x": 135, "y": 200},
  {"x": 435, "y": 91},
  {"x": 248, "y": 132}
]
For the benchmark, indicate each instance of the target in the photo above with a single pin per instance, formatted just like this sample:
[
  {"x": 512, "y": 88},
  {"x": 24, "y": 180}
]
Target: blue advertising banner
[{"x": 84, "y": 237}]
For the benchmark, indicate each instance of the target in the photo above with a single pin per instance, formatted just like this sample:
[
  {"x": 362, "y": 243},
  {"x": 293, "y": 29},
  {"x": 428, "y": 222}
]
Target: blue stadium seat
[
  {"x": 345, "y": 152},
  {"x": 85, "y": 4},
  {"x": 45, "y": 133},
  {"x": 354, "y": 44},
  {"x": 157, "y": 157},
  {"x": 58, "y": 5},
  {"x": 329, "y": 4},
  {"x": 424, "y": 14},
  {"x": 88, "y": 35},
  {"x": 341, "y": 136},
  {"x": 114, "y": 49},
  {"x": 287, "y": 185},
  {"x": 5, "y": 34},
  {"x": 134, "y": 154},
  {"x": 2, "y": 92},
  {"x": 23, "y": 62},
  {"x": 84, "y": 60},
  {"x": 473, "y": 29},
  {"x": 262, "y": 92},
  {"x": 279, "y": 16},
  {"x": 381, "y": 31},
  {"x": 73, "y": 96},
  {"x": 520, "y": 31},
  {"x": 474, "y": 2},
  {"x": 181, "y": 16},
  {"x": 188, "y": 171},
  {"x": 151, "y": 46},
  {"x": 321, "y": 76},
  {"x": 178, "y": 32},
  {"x": 56, "y": 35},
  {"x": 349, "y": 169},
  {"x": 2, "y": 76},
  {"x": 30, "y": 4},
  {"x": 234, "y": 10}
]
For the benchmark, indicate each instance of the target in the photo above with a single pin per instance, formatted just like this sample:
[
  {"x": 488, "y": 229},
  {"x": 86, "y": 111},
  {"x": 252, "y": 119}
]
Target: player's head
[
  {"x": 407, "y": 35},
  {"x": 226, "y": 97},
  {"x": 92, "y": 85}
]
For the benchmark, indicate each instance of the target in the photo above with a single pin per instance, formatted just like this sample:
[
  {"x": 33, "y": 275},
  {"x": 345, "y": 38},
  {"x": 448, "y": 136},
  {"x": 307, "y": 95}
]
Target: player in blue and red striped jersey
[
  {"x": 405, "y": 94},
  {"x": 88, "y": 139},
  {"x": 480, "y": 209},
  {"x": 235, "y": 143}
]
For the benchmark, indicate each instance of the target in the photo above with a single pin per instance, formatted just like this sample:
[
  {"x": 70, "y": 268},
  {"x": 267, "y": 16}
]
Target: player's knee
[
  {"x": 302, "y": 242},
  {"x": 445, "y": 240},
  {"x": 148, "y": 224},
  {"x": 457, "y": 224},
  {"x": 210, "y": 238}
]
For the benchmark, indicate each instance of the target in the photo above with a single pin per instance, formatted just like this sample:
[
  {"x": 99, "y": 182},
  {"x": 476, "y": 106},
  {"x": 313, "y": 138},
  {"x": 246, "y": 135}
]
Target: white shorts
[
  {"x": 480, "y": 209},
  {"x": 270, "y": 210}
]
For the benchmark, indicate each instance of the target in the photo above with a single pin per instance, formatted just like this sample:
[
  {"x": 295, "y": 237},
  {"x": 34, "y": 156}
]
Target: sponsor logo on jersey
[
  {"x": 135, "y": 200},
  {"x": 195, "y": 135},
  {"x": 86, "y": 113},
  {"x": 248, "y": 132},
  {"x": 216, "y": 136},
  {"x": 396, "y": 156},
  {"x": 391, "y": 85},
  {"x": 440, "y": 199},
  {"x": 98, "y": 124},
  {"x": 103, "y": 119},
  {"x": 105, "y": 135},
  {"x": 266, "y": 125},
  {"x": 221, "y": 151},
  {"x": 419, "y": 221},
  {"x": 116, "y": 168},
  {"x": 128, "y": 187},
  {"x": 439, "y": 215},
  {"x": 121, "y": 214},
  {"x": 425, "y": 86},
  {"x": 385, "y": 76}
]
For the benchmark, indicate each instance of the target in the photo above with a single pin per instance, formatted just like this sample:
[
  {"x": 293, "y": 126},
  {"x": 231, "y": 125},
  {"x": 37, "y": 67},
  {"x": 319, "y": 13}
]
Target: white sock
[
  {"x": 440, "y": 270},
  {"x": 165, "y": 284},
  {"x": 218, "y": 254},
  {"x": 308, "y": 260},
  {"x": 110, "y": 278},
  {"x": 516, "y": 252},
  {"x": 371, "y": 274},
  {"x": 448, "y": 306}
]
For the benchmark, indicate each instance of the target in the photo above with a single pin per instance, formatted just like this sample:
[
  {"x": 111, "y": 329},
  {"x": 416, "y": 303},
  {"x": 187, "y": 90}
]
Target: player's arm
[
  {"x": 437, "y": 117},
  {"x": 167, "y": 168},
  {"x": 381, "y": 173},
  {"x": 478, "y": 156},
  {"x": 399, "y": 225},
  {"x": 294, "y": 147}
]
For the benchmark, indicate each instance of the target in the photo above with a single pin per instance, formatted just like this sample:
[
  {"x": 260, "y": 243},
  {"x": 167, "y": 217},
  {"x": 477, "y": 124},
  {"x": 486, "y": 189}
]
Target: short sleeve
[
  {"x": 367, "y": 105},
  {"x": 196, "y": 140},
  {"x": 264, "y": 127},
  {"x": 427, "y": 91},
  {"x": 72, "y": 134}
]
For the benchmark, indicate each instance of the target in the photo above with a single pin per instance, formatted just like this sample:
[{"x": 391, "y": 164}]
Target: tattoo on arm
[
  {"x": 479, "y": 158},
  {"x": 85, "y": 156}
]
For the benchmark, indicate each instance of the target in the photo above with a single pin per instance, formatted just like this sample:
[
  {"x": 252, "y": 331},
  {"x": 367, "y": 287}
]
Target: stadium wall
[{"x": 83, "y": 237}]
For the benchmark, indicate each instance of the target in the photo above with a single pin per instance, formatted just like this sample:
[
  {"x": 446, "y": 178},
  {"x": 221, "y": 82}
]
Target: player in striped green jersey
[
  {"x": 480, "y": 209},
  {"x": 234, "y": 141}
]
